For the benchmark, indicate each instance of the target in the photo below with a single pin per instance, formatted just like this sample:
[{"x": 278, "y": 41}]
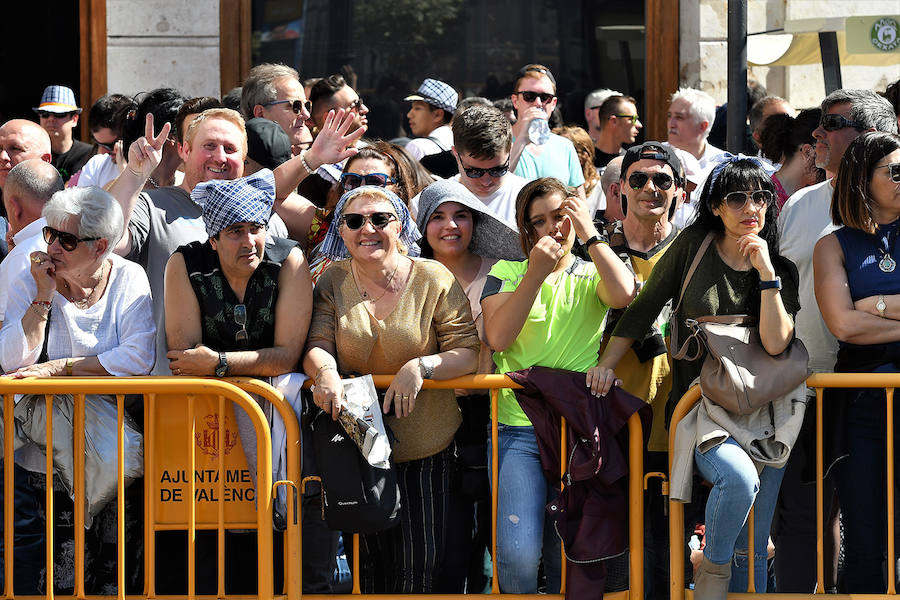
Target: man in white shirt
[
  {"x": 433, "y": 105},
  {"x": 29, "y": 186},
  {"x": 690, "y": 116},
  {"x": 804, "y": 219}
]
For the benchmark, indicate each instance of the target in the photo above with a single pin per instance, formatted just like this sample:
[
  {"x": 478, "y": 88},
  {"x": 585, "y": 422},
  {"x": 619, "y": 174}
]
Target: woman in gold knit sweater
[{"x": 383, "y": 311}]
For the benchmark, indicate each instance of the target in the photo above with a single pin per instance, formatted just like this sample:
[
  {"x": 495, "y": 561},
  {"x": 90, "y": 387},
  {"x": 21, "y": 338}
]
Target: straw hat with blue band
[{"x": 58, "y": 99}]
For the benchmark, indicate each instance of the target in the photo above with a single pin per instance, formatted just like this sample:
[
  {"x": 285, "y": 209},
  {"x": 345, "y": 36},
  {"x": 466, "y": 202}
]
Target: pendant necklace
[
  {"x": 887, "y": 264},
  {"x": 387, "y": 286}
]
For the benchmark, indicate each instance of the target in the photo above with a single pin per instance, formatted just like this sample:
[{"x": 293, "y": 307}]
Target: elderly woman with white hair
[
  {"x": 386, "y": 311},
  {"x": 81, "y": 310}
]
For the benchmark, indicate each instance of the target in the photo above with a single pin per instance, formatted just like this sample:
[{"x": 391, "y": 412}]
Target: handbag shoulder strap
[
  {"x": 43, "y": 356},
  {"x": 680, "y": 351}
]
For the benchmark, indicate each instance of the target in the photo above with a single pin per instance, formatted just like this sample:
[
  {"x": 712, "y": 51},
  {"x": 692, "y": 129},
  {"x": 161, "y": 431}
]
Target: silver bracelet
[{"x": 306, "y": 164}]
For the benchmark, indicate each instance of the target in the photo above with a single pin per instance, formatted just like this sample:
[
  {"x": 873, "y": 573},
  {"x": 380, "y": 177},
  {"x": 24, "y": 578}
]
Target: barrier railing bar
[
  {"x": 889, "y": 452},
  {"x": 78, "y": 444},
  {"x": 192, "y": 502},
  {"x": 120, "y": 492},
  {"x": 356, "y": 587},
  {"x": 563, "y": 455},
  {"x": 150, "y": 491},
  {"x": 635, "y": 509},
  {"x": 293, "y": 550},
  {"x": 751, "y": 554},
  {"x": 220, "y": 513},
  {"x": 676, "y": 510},
  {"x": 49, "y": 579},
  {"x": 820, "y": 494},
  {"x": 495, "y": 483},
  {"x": 9, "y": 494}
]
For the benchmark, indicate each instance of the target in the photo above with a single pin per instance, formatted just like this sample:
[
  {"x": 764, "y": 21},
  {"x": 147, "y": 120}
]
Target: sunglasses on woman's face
[
  {"x": 638, "y": 179},
  {"x": 351, "y": 181},
  {"x": 738, "y": 200},
  {"x": 68, "y": 241},
  {"x": 893, "y": 171},
  {"x": 379, "y": 220}
]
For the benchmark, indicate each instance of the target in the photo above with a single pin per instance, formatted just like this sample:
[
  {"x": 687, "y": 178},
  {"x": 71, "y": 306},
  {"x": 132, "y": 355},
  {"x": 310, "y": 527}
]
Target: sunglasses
[
  {"x": 355, "y": 105},
  {"x": 633, "y": 118},
  {"x": 638, "y": 179},
  {"x": 477, "y": 172},
  {"x": 296, "y": 105},
  {"x": 832, "y": 122},
  {"x": 68, "y": 241},
  {"x": 111, "y": 148},
  {"x": 240, "y": 317},
  {"x": 738, "y": 200},
  {"x": 532, "y": 96},
  {"x": 351, "y": 181},
  {"x": 355, "y": 221},
  {"x": 44, "y": 114},
  {"x": 894, "y": 171}
]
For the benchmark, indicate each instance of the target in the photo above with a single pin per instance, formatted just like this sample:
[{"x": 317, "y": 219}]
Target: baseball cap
[
  {"x": 653, "y": 151},
  {"x": 58, "y": 99},
  {"x": 267, "y": 143},
  {"x": 436, "y": 93}
]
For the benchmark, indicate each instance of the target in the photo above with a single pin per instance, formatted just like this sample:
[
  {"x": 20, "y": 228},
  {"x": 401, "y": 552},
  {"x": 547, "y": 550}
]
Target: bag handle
[{"x": 683, "y": 348}]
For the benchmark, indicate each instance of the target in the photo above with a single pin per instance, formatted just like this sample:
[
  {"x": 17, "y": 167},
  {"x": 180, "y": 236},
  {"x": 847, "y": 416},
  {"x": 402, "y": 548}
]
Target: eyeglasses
[
  {"x": 296, "y": 105},
  {"x": 240, "y": 317},
  {"x": 68, "y": 241},
  {"x": 478, "y": 172},
  {"x": 351, "y": 181},
  {"x": 833, "y": 122},
  {"x": 894, "y": 171},
  {"x": 738, "y": 200},
  {"x": 108, "y": 147},
  {"x": 638, "y": 179},
  {"x": 355, "y": 221},
  {"x": 355, "y": 105},
  {"x": 44, "y": 114},
  {"x": 633, "y": 118},
  {"x": 530, "y": 96}
]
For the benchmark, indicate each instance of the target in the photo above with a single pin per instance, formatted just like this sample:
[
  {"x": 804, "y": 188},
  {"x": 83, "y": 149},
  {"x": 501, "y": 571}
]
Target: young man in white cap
[
  {"x": 59, "y": 115},
  {"x": 433, "y": 105}
]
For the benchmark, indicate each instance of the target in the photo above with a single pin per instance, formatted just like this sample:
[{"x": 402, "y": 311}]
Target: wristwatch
[
  {"x": 222, "y": 367},
  {"x": 881, "y": 305},
  {"x": 594, "y": 239},
  {"x": 775, "y": 284},
  {"x": 426, "y": 367}
]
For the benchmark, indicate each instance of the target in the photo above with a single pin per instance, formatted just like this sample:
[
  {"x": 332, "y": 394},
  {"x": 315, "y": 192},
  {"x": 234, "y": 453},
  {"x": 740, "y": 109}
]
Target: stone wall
[{"x": 156, "y": 43}]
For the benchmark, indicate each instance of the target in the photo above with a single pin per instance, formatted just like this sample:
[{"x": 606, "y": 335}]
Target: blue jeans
[
  {"x": 735, "y": 487},
  {"x": 524, "y": 534},
  {"x": 862, "y": 491}
]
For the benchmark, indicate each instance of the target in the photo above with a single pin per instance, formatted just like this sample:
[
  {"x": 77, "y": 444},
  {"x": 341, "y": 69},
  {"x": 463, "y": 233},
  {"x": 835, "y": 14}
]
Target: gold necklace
[
  {"x": 86, "y": 301},
  {"x": 365, "y": 294}
]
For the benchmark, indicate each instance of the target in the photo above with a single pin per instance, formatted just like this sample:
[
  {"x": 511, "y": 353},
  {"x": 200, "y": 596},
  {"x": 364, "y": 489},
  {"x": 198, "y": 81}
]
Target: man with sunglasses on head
[
  {"x": 804, "y": 219},
  {"x": 651, "y": 182},
  {"x": 534, "y": 97},
  {"x": 618, "y": 124},
  {"x": 59, "y": 114},
  {"x": 429, "y": 116},
  {"x": 273, "y": 91}
]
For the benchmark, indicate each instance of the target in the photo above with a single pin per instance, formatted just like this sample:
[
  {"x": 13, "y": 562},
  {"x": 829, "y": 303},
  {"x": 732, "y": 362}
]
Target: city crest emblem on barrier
[{"x": 207, "y": 438}]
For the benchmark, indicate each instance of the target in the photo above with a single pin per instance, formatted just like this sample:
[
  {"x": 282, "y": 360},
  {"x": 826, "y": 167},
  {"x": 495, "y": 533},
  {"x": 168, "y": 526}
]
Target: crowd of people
[{"x": 264, "y": 234}]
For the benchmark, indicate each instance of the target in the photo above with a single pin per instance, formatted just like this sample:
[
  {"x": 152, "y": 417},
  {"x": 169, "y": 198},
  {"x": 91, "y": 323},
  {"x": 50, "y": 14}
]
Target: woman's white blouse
[{"x": 118, "y": 329}]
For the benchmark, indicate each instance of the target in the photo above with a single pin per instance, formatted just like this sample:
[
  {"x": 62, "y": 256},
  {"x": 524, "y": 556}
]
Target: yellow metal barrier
[
  {"x": 635, "y": 500},
  {"x": 819, "y": 381},
  {"x": 154, "y": 390}
]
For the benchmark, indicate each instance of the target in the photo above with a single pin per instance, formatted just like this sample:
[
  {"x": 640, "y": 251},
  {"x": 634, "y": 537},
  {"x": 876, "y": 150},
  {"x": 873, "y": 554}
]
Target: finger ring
[
  {"x": 36, "y": 259},
  {"x": 176, "y": 371}
]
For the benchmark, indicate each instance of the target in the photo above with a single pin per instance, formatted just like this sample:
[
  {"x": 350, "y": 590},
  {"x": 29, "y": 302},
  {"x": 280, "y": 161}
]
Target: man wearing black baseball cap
[{"x": 652, "y": 180}]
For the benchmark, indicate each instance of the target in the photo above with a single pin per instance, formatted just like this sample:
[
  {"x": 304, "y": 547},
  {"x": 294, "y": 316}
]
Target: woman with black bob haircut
[
  {"x": 858, "y": 292},
  {"x": 740, "y": 273}
]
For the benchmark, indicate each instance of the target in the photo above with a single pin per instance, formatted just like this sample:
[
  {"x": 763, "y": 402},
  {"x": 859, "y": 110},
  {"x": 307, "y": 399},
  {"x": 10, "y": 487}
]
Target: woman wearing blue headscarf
[
  {"x": 380, "y": 309},
  {"x": 740, "y": 273}
]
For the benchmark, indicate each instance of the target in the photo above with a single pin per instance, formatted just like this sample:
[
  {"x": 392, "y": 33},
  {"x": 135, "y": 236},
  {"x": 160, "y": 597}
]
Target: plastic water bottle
[{"x": 538, "y": 131}]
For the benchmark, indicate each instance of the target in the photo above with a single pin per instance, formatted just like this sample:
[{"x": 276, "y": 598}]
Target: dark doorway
[{"x": 40, "y": 47}]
